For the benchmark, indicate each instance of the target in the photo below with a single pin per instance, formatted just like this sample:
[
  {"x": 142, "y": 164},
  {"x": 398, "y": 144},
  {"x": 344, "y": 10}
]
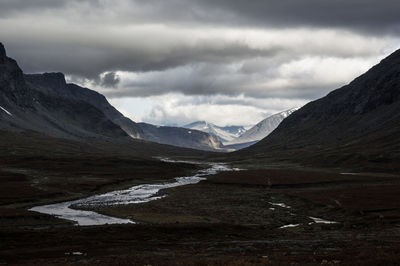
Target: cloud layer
[
  {"x": 296, "y": 50},
  {"x": 365, "y": 15}
]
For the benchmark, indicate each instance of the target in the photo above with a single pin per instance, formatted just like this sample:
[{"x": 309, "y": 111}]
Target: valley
[
  {"x": 230, "y": 218},
  {"x": 79, "y": 211},
  {"x": 83, "y": 184}
]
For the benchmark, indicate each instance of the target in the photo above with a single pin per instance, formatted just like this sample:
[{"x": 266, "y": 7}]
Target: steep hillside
[
  {"x": 54, "y": 84},
  {"x": 359, "y": 122},
  {"x": 263, "y": 128},
  {"x": 180, "y": 137},
  {"x": 26, "y": 108}
]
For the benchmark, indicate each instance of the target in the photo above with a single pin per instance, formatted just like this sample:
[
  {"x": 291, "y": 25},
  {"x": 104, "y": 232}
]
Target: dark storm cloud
[
  {"x": 110, "y": 80},
  {"x": 234, "y": 86},
  {"x": 187, "y": 45},
  {"x": 365, "y": 15},
  {"x": 362, "y": 14},
  {"x": 23, "y": 5},
  {"x": 91, "y": 60},
  {"x": 9, "y": 7},
  {"x": 214, "y": 79}
]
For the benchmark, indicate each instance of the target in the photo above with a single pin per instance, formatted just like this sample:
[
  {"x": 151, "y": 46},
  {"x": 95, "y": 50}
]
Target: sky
[{"x": 228, "y": 62}]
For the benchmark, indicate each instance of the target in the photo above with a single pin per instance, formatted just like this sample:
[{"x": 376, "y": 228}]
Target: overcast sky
[{"x": 230, "y": 62}]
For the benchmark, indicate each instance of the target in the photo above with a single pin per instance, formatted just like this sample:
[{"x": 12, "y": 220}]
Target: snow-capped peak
[
  {"x": 226, "y": 134},
  {"x": 263, "y": 128}
]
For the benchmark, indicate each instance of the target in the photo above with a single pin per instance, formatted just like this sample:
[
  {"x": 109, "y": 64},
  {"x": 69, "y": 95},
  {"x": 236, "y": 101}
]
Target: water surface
[{"x": 72, "y": 210}]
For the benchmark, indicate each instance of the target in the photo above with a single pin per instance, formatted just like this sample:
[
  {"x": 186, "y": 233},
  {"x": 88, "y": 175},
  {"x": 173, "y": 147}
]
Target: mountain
[
  {"x": 262, "y": 129},
  {"x": 29, "y": 108},
  {"x": 226, "y": 134},
  {"x": 356, "y": 124},
  {"x": 181, "y": 137},
  {"x": 238, "y": 146},
  {"x": 47, "y": 104},
  {"x": 55, "y": 84}
]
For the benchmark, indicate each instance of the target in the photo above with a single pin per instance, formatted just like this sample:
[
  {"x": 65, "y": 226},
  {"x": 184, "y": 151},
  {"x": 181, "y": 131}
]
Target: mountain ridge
[
  {"x": 262, "y": 128},
  {"x": 47, "y": 104},
  {"x": 35, "y": 110},
  {"x": 55, "y": 83},
  {"x": 174, "y": 135},
  {"x": 358, "y": 123},
  {"x": 226, "y": 133}
]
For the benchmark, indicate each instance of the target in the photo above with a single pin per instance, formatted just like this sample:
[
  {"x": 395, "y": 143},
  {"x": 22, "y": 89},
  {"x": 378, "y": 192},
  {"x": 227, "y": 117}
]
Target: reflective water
[{"x": 137, "y": 194}]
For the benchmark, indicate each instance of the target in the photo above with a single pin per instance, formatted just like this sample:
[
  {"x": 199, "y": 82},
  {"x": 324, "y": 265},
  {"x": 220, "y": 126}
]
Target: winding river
[{"x": 72, "y": 210}]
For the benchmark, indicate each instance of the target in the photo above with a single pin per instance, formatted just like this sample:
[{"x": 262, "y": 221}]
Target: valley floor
[{"x": 253, "y": 217}]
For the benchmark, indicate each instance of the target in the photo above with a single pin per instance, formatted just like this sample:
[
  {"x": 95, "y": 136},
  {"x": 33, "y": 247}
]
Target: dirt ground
[
  {"x": 195, "y": 244},
  {"x": 31, "y": 181},
  {"x": 256, "y": 217}
]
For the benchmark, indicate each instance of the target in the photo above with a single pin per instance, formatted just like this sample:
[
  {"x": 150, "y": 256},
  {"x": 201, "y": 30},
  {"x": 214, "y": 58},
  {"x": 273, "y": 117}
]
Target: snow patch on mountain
[
  {"x": 263, "y": 128},
  {"x": 226, "y": 134},
  {"x": 7, "y": 112}
]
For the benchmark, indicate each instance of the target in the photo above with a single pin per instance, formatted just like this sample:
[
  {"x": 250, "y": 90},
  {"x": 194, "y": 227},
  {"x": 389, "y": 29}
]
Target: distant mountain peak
[
  {"x": 226, "y": 134},
  {"x": 202, "y": 122},
  {"x": 263, "y": 128}
]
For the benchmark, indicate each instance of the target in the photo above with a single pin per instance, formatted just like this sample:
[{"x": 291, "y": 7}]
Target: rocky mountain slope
[
  {"x": 181, "y": 136},
  {"x": 54, "y": 84},
  {"x": 32, "y": 109},
  {"x": 359, "y": 122},
  {"x": 263, "y": 128},
  {"x": 226, "y": 134},
  {"x": 45, "y": 103}
]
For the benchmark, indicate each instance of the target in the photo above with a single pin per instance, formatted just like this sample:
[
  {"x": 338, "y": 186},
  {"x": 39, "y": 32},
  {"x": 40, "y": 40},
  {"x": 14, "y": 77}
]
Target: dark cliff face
[
  {"x": 44, "y": 111},
  {"x": 364, "y": 114},
  {"x": 12, "y": 83},
  {"x": 2, "y": 53},
  {"x": 54, "y": 83}
]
